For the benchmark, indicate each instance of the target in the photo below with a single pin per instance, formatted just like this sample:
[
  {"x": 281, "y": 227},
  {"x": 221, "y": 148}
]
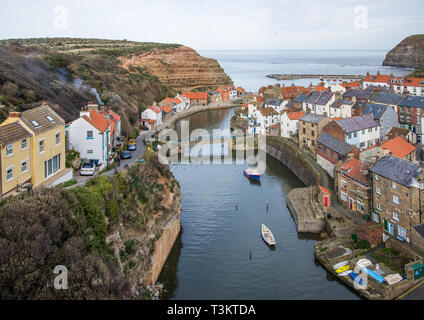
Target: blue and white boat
[{"x": 252, "y": 173}]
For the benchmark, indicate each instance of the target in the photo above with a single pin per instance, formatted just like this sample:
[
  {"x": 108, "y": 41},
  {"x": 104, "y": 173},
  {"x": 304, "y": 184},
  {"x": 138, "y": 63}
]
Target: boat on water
[
  {"x": 267, "y": 235},
  {"x": 252, "y": 173}
]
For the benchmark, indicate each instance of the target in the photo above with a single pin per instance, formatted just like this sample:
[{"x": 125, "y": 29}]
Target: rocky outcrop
[
  {"x": 407, "y": 54},
  {"x": 181, "y": 68}
]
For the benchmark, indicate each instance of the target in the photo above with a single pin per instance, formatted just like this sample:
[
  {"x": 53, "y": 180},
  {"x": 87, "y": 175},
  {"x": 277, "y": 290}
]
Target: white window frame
[
  {"x": 394, "y": 185},
  {"x": 90, "y": 151},
  {"x": 343, "y": 195},
  {"x": 55, "y": 136},
  {"x": 395, "y": 216},
  {"x": 395, "y": 197},
  {"x": 44, "y": 145},
  {"x": 22, "y": 162},
  {"x": 378, "y": 206},
  {"x": 11, "y": 178},
  {"x": 378, "y": 191},
  {"x": 9, "y": 151},
  {"x": 26, "y": 144}
]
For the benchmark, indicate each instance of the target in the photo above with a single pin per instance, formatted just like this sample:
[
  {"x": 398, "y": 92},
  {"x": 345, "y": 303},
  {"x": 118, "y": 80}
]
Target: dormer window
[
  {"x": 35, "y": 123},
  {"x": 48, "y": 117}
]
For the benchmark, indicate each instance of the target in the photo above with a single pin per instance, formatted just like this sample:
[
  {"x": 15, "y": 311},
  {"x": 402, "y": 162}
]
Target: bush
[
  {"x": 363, "y": 244},
  {"x": 68, "y": 183}
]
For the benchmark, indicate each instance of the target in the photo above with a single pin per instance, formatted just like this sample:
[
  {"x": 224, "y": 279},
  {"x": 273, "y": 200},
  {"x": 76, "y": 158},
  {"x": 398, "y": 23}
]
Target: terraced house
[
  {"x": 410, "y": 111},
  {"x": 16, "y": 156},
  {"x": 47, "y": 158},
  {"x": 351, "y": 180},
  {"x": 397, "y": 196}
]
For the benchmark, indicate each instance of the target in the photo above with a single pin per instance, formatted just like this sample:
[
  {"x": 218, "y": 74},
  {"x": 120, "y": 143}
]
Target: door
[
  {"x": 391, "y": 228},
  {"x": 325, "y": 201},
  {"x": 351, "y": 203}
]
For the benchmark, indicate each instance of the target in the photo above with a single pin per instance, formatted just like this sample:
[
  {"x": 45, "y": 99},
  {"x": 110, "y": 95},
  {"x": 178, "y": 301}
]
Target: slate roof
[
  {"x": 12, "y": 132},
  {"x": 274, "y": 102},
  {"x": 324, "y": 98},
  {"x": 412, "y": 101},
  {"x": 387, "y": 98},
  {"x": 334, "y": 144},
  {"x": 398, "y": 170},
  {"x": 312, "y": 97},
  {"x": 300, "y": 98},
  {"x": 313, "y": 118},
  {"x": 357, "y": 123},
  {"x": 41, "y": 114},
  {"x": 358, "y": 93},
  {"x": 420, "y": 229},
  {"x": 377, "y": 110}
]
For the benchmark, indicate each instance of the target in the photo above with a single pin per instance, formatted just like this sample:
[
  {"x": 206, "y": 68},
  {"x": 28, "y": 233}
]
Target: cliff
[
  {"x": 180, "y": 68},
  {"x": 407, "y": 54},
  {"x": 113, "y": 235}
]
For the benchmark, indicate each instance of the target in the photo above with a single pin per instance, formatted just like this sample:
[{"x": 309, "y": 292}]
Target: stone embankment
[
  {"x": 277, "y": 76},
  {"x": 305, "y": 209}
]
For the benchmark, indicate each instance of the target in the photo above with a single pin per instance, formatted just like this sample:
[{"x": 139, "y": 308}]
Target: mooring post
[
  {"x": 236, "y": 207},
  {"x": 267, "y": 205},
  {"x": 250, "y": 254}
]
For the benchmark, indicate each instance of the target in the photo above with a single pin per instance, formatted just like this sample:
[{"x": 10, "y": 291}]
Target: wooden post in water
[
  {"x": 267, "y": 205},
  {"x": 250, "y": 254}
]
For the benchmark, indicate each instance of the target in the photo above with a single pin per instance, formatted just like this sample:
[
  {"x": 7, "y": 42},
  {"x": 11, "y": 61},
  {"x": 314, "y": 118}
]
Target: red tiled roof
[
  {"x": 97, "y": 120},
  {"x": 155, "y": 109},
  {"x": 414, "y": 82},
  {"x": 295, "y": 115},
  {"x": 320, "y": 88},
  {"x": 377, "y": 78},
  {"x": 196, "y": 95},
  {"x": 166, "y": 109},
  {"x": 324, "y": 190},
  {"x": 353, "y": 169},
  {"x": 398, "y": 147}
]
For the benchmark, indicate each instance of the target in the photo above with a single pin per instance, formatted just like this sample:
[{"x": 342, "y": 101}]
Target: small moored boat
[
  {"x": 252, "y": 173},
  {"x": 267, "y": 236}
]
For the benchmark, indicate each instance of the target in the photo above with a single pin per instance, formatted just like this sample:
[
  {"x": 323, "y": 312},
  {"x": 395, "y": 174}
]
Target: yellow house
[
  {"x": 48, "y": 142},
  {"x": 15, "y": 156}
]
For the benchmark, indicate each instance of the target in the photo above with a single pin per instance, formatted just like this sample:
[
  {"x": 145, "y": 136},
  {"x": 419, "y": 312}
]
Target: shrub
[{"x": 363, "y": 244}]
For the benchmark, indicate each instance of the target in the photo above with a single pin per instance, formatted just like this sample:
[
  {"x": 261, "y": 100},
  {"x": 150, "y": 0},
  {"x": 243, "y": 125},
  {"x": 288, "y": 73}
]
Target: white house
[
  {"x": 154, "y": 114},
  {"x": 414, "y": 86},
  {"x": 90, "y": 136},
  {"x": 337, "y": 88},
  {"x": 266, "y": 117},
  {"x": 232, "y": 94},
  {"x": 276, "y": 104},
  {"x": 185, "y": 101},
  {"x": 379, "y": 80},
  {"x": 289, "y": 123},
  {"x": 341, "y": 109},
  {"x": 323, "y": 102}
]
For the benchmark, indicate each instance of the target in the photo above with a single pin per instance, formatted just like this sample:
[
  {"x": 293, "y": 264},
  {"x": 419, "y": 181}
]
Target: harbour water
[
  {"x": 211, "y": 257},
  {"x": 249, "y": 68}
]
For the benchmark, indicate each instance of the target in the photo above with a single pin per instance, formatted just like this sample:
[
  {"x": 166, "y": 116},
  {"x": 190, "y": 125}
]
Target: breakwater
[{"x": 277, "y": 76}]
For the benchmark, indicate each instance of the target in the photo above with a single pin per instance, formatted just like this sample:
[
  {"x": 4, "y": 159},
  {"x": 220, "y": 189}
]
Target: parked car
[
  {"x": 125, "y": 155},
  {"x": 132, "y": 144},
  {"x": 88, "y": 168}
]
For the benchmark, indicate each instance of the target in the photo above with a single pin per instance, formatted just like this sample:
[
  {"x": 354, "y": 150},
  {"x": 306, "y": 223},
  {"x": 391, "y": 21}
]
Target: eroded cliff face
[
  {"x": 407, "y": 54},
  {"x": 181, "y": 68}
]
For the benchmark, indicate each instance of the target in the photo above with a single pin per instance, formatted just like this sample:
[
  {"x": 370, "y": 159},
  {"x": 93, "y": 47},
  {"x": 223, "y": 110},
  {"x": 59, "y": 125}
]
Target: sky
[{"x": 220, "y": 24}]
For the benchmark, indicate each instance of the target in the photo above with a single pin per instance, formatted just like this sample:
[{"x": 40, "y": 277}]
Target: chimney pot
[{"x": 14, "y": 114}]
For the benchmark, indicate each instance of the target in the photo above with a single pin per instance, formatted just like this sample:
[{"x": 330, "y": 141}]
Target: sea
[{"x": 248, "y": 68}]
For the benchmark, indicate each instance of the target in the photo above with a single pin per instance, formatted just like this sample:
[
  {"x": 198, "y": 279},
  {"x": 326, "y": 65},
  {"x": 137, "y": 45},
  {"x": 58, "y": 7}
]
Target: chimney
[
  {"x": 44, "y": 103},
  {"x": 14, "y": 114},
  {"x": 350, "y": 156}
]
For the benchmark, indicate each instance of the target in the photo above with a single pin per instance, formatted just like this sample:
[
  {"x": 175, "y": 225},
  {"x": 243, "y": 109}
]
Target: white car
[{"x": 87, "y": 169}]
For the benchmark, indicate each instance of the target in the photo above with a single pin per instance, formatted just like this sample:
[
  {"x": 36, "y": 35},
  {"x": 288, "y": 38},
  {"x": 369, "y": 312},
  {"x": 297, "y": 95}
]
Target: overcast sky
[{"x": 220, "y": 24}]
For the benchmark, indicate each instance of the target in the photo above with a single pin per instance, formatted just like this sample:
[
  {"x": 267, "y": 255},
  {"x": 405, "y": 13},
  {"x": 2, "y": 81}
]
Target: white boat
[
  {"x": 344, "y": 273},
  {"x": 252, "y": 173},
  {"x": 340, "y": 264},
  {"x": 364, "y": 263},
  {"x": 267, "y": 236}
]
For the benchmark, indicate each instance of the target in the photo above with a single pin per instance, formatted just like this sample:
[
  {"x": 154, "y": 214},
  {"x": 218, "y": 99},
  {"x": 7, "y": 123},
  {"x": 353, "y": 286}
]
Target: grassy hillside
[
  {"x": 70, "y": 72},
  {"x": 417, "y": 73}
]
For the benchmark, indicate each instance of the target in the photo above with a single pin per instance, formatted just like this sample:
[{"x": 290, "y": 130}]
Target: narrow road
[{"x": 135, "y": 156}]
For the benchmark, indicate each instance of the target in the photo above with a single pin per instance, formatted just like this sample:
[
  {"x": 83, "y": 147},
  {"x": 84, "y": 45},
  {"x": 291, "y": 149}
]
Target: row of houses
[
  {"x": 156, "y": 114},
  {"x": 400, "y": 85}
]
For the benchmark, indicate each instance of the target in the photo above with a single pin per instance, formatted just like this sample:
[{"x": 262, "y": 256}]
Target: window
[
  {"x": 378, "y": 191},
  {"x": 376, "y": 177},
  {"x": 378, "y": 207},
  {"x": 370, "y": 129},
  {"x": 396, "y": 199},
  {"x": 24, "y": 144},
  {"x": 343, "y": 196},
  {"x": 9, "y": 173},
  {"x": 313, "y": 133},
  {"x": 355, "y": 134},
  {"x": 349, "y": 135},
  {"x": 394, "y": 185},
  {"x": 57, "y": 138},
  {"x": 51, "y": 166},
  {"x": 9, "y": 149},
  {"x": 343, "y": 183},
  {"x": 89, "y": 151},
  {"x": 49, "y": 118},
  {"x": 24, "y": 166},
  {"x": 395, "y": 216},
  {"x": 90, "y": 134},
  {"x": 41, "y": 145},
  {"x": 402, "y": 232},
  {"x": 331, "y": 154},
  {"x": 363, "y": 131},
  {"x": 35, "y": 123},
  {"x": 360, "y": 206}
]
